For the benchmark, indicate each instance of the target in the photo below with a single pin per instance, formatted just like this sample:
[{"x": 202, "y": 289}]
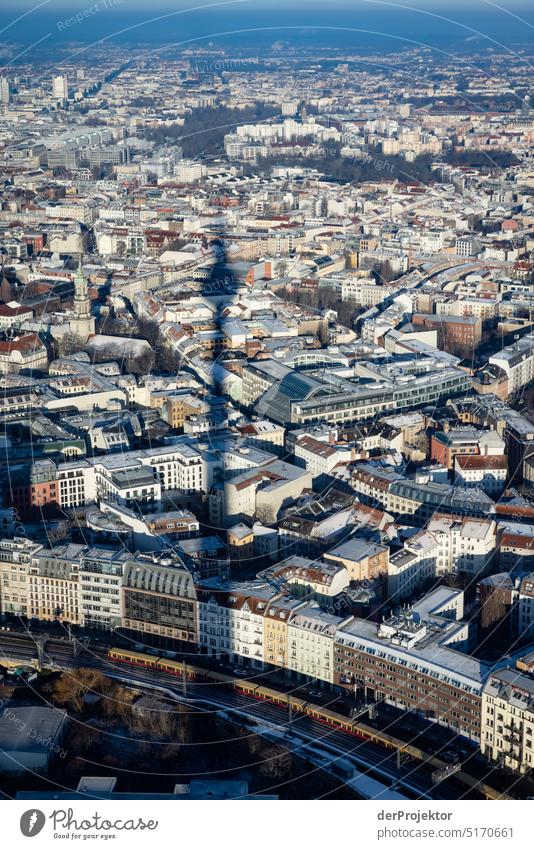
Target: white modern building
[
  {"x": 60, "y": 88},
  {"x": 465, "y": 545},
  {"x": 517, "y": 362},
  {"x": 413, "y": 566}
]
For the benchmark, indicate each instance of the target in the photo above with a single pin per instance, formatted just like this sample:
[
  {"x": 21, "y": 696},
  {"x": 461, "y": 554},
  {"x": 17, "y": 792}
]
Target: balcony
[{"x": 513, "y": 738}]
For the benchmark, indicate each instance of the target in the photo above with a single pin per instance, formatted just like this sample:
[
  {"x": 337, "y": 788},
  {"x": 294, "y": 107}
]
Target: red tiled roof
[{"x": 476, "y": 461}]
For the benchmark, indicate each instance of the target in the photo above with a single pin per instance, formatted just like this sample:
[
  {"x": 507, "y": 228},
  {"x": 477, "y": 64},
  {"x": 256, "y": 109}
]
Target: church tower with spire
[{"x": 83, "y": 323}]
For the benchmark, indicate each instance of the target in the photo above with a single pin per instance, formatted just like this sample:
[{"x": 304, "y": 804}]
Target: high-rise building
[
  {"x": 289, "y": 108},
  {"x": 60, "y": 88},
  {"x": 5, "y": 93}
]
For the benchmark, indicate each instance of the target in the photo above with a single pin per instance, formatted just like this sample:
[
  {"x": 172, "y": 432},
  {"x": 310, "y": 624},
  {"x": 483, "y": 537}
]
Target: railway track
[{"x": 367, "y": 754}]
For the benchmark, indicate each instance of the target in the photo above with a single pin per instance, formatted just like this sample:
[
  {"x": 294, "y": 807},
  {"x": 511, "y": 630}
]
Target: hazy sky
[
  {"x": 168, "y": 5},
  {"x": 426, "y": 21}
]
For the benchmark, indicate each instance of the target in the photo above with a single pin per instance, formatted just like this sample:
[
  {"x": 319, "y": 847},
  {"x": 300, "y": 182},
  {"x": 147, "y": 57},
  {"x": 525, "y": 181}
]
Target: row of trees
[
  {"x": 481, "y": 158},
  {"x": 322, "y": 299},
  {"x": 156, "y": 738},
  {"x": 345, "y": 170},
  {"x": 166, "y": 359},
  {"x": 202, "y": 133},
  {"x": 115, "y": 705}
]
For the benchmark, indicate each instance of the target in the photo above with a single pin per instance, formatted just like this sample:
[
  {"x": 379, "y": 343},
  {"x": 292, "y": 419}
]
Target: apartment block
[{"x": 507, "y": 735}]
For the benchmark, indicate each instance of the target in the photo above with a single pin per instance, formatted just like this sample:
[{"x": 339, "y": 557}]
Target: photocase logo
[{"x": 32, "y": 822}]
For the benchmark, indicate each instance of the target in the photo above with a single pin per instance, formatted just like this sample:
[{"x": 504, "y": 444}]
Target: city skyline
[{"x": 266, "y": 406}]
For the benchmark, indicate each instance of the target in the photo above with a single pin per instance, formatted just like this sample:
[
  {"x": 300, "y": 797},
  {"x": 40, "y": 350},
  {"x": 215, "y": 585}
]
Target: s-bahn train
[
  {"x": 244, "y": 686},
  {"x": 299, "y": 706}
]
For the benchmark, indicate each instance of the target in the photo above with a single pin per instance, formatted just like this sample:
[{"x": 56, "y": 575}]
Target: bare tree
[
  {"x": 276, "y": 762},
  {"x": 70, "y": 689}
]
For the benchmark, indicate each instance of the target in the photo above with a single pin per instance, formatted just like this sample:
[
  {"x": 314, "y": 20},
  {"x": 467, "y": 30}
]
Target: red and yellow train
[{"x": 298, "y": 706}]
